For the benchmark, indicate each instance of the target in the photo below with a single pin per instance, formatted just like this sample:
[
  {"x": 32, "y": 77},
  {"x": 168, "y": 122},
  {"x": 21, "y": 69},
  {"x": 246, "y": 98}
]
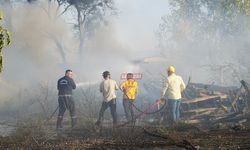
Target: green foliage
[
  {"x": 203, "y": 19},
  {"x": 208, "y": 29}
]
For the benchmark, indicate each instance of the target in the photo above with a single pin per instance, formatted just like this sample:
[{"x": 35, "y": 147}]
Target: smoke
[
  {"x": 33, "y": 56},
  {"x": 43, "y": 45},
  {"x": 33, "y": 53},
  {"x": 208, "y": 45}
]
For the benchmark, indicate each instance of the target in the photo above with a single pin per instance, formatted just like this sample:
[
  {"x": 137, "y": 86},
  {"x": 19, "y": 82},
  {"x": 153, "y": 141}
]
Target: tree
[
  {"x": 207, "y": 29},
  {"x": 87, "y": 11},
  {"x": 90, "y": 13}
]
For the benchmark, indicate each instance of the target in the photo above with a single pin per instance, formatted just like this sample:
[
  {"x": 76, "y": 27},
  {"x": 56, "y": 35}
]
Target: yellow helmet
[
  {"x": 1, "y": 15},
  {"x": 171, "y": 69}
]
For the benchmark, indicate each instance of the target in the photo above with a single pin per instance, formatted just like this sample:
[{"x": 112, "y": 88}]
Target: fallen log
[
  {"x": 234, "y": 117},
  {"x": 202, "y": 110},
  {"x": 201, "y": 99},
  {"x": 177, "y": 142}
]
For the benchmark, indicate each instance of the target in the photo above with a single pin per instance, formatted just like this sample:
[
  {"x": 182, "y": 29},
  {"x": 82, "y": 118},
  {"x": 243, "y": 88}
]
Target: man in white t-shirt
[
  {"x": 171, "y": 91},
  {"x": 107, "y": 88}
]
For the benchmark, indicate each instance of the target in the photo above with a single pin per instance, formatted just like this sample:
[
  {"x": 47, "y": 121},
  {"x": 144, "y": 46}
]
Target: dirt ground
[{"x": 89, "y": 137}]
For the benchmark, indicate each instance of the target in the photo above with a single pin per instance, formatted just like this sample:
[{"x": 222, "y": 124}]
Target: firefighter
[
  {"x": 129, "y": 88},
  {"x": 108, "y": 88},
  {"x": 171, "y": 91},
  {"x": 65, "y": 85},
  {"x": 4, "y": 40}
]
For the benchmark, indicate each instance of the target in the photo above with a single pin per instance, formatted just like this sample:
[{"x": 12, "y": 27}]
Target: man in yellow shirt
[
  {"x": 129, "y": 88},
  {"x": 172, "y": 88}
]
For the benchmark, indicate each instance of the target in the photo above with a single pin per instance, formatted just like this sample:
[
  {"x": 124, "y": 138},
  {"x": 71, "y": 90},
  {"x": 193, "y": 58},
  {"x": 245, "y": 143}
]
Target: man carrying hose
[
  {"x": 129, "y": 88},
  {"x": 172, "y": 88},
  {"x": 65, "y": 85},
  {"x": 108, "y": 88}
]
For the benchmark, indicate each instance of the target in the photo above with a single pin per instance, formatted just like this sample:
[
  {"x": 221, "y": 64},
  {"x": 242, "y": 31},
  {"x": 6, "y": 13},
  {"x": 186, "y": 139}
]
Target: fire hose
[
  {"x": 147, "y": 113},
  {"x": 52, "y": 114},
  {"x": 143, "y": 112},
  {"x": 150, "y": 113}
]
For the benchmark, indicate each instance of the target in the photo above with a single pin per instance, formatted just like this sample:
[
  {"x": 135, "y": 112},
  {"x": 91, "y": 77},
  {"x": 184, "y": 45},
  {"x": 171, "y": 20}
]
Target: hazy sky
[
  {"x": 129, "y": 37},
  {"x": 138, "y": 20}
]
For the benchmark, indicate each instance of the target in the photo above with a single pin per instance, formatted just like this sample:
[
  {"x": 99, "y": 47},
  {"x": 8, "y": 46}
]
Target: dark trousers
[
  {"x": 128, "y": 109},
  {"x": 66, "y": 102},
  {"x": 112, "y": 105}
]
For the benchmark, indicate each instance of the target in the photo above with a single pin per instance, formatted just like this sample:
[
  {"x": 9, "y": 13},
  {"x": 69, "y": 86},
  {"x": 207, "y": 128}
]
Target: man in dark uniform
[{"x": 65, "y": 85}]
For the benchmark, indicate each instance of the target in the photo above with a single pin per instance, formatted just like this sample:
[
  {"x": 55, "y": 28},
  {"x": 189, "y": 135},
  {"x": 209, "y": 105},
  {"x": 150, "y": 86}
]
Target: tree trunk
[{"x": 81, "y": 37}]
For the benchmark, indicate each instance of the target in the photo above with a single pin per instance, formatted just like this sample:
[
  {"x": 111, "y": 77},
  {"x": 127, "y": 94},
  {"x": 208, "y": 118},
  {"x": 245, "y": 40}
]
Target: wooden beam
[{"x": 200, "y": 99}]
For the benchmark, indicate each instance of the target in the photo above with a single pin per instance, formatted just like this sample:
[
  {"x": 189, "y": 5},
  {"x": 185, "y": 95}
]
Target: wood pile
[{"x": 210, "y": 103}]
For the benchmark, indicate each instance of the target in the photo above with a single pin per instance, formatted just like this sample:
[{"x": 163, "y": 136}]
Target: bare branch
[{"x": 64, "y": 11}]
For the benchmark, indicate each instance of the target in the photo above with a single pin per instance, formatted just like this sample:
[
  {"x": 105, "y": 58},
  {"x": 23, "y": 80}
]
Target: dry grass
[{"x": 30, "y": 136}]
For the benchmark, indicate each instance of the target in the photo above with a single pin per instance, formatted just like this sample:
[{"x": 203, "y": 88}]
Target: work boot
[
  {"x": 99, "y": 121},
  {"x": 73, "y": 122},
  {"x": 59, "y": 123}
]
